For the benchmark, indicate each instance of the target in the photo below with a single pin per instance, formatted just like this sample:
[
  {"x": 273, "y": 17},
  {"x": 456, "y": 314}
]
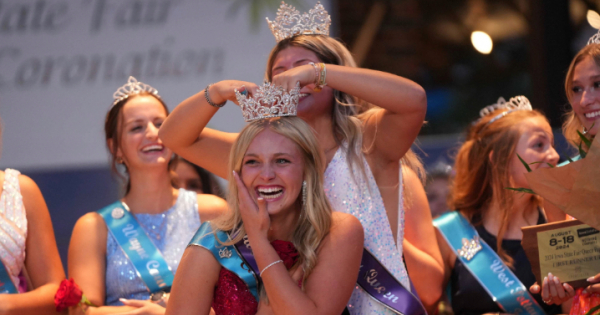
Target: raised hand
[
  {"x": 304, "y": 74},
  {"x": 254, "y": 214},
  {"x": 225, "y": 90}
]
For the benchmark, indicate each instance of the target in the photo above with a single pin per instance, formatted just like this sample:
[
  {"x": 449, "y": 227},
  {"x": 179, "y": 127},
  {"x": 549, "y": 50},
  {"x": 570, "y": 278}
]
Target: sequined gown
[
  {"x": 170, "y": 231},
  {"x": 232, "y": 296},
  {"x": 360, "y": 197},
  {"x": 13, "y": 228}
]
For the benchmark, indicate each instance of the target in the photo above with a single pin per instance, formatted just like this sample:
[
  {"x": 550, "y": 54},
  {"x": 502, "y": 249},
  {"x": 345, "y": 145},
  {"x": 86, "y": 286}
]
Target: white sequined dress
[
  {"x": 360, "y": 197},
  {"x": 13, "y": 228}
]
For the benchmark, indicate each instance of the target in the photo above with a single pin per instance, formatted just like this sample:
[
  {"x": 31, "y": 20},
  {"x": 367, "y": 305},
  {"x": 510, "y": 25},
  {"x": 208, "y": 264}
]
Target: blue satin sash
[
  {"x": 486, "y": 266},
  {"x": 147, "y": 260},
  {"x": 6, "y": 284},
  {"x": 227, "y": 256}
]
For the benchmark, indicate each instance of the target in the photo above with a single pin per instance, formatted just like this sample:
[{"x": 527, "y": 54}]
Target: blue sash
[
  {"x": 485, "y": 265},
  {"x": 227, "y": 256},
  {"x": 6, "y": 284},
  {"x": 147, "y": 260}
]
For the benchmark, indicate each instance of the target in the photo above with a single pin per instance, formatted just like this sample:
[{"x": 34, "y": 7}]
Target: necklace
[{"x": 152, "y": 231}]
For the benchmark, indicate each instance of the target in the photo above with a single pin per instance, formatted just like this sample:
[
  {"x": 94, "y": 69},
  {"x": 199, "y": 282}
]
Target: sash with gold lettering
[
  {"x": 147, "y": 260},
  {"x": 486, "y": 266}
]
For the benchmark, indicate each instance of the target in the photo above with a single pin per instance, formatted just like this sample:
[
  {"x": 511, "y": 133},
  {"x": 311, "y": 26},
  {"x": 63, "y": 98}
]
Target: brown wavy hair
[
  {"x": 572, "y": 123},
  {"x": 483, "y": 173}
]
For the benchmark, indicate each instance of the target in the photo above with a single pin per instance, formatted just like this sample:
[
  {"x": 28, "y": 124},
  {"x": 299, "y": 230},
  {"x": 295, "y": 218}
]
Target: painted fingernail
[
  {"x": 123, "y": 300},
  {"x": 590, "y": 279},
  {"x": 556, "y": 280},
  {"x": 545, "y": 280},
  {"x": 550, "y": 275}
]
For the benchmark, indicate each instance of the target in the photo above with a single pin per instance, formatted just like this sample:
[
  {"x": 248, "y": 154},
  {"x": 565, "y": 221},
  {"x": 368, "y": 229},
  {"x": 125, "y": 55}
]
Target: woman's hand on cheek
[
  {"x": 304, "y": 74},
  {"x": 254, "y": 215}
]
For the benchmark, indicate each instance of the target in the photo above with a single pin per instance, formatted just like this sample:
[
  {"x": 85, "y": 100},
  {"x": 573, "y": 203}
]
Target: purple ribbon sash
[
  {"x": 246, "y": 253},
  {"x": 380, "y": 284}
]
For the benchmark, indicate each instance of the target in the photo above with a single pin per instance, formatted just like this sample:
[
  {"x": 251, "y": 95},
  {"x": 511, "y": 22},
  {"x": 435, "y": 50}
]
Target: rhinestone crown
[
  {"x": 132, "y": 87},
  {"x": 514, "y": 104},
  {"x": 315, "y": 22},
  {"x": 269, "y": 101}
]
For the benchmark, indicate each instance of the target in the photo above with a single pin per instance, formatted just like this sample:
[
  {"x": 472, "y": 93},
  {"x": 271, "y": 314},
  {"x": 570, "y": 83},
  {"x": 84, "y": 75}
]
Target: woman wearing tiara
[
  {"x": 582, "y": 88},
  {"x": 126, "y": 253},
  {"x": 30, "y": 267},
  {"x": 362, "y": 154},
  {"x": 485, "y": 263},
  {"x": 278, "y": 206}
]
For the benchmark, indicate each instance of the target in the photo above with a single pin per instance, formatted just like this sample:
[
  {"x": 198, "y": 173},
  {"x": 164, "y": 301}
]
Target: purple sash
[
  {"x": 373, "y": 278},
  {"x": 381, "y": 285}
]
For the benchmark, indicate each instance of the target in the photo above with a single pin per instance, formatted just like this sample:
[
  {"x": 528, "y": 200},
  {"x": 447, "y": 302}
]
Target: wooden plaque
[{"x": 569, "y": 249}]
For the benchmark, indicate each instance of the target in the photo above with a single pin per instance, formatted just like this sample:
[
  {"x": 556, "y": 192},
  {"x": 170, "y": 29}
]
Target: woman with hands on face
[
  {"x": 362, "y": 152},
  {"x": 308, "y": 256}
]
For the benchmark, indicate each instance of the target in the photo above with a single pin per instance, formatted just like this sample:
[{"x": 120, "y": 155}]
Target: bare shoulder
[
  {"x": 346, "y": 226},
  {"x": 210, "y": 206},
  {"x": 32, "y": 196},
  {"x": 91, "y": 223}
]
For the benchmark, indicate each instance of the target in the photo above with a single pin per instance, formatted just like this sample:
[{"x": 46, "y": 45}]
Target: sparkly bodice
[
  {"x": 13, "y": 228},
  {"x": 232, "y": 296},
  {"x": 360, "y": 197},
  {"x": 170, "y": 231}
]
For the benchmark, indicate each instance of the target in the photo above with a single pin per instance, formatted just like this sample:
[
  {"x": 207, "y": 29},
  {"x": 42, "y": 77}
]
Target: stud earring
[{"x": 585, "y": 131}]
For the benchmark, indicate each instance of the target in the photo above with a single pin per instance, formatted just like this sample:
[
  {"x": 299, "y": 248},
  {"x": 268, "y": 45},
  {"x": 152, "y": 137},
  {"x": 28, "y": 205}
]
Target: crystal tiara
[
  {"x": 269, "y": 101},
  {"x": 514, "y": 104},
  {"x": 315, "y": 22},
  {"x": 132, "y": 87}
]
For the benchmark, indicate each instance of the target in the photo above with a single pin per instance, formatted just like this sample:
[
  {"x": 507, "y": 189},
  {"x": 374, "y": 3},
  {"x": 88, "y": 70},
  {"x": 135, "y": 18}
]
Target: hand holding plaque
[{"x": 568, "y": 249}]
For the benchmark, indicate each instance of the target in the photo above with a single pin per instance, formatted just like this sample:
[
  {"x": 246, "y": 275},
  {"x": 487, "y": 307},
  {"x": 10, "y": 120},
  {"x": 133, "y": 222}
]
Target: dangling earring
[
  {"x": 304, "y": 195},
  {"x": 119, "y": 160},
  {"x": 585, "y": 131}
]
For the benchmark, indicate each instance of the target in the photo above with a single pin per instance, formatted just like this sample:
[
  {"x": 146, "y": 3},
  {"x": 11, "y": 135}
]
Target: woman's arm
[
  {"x": 210, "y": 207},
  {"x": 421, "y": 251},
  {"x": 403, "y": 104},
  {"x": 87, "y": 264},
  {"x": 184, "y": 131},
  {"x": 338, "y": 262},
  {"x": 42, "y": 261},
  {"x": 193, "y": 287},
  {"x": 448, "y": 257}
]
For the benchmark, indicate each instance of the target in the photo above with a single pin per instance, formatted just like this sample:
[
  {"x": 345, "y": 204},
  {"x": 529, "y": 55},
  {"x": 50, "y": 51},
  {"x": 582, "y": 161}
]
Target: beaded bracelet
[
  {"x": 208, "y": 98},
  {"x": 271, "y": 264}
]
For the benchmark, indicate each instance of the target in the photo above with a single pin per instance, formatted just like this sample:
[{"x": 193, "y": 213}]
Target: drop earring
[
  {"x": 585, "y": 131},
  {"x": 304, "y": 195}
]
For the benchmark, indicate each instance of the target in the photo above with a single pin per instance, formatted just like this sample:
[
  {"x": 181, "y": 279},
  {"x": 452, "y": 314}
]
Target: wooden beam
[{"x": 367, "y": 32}]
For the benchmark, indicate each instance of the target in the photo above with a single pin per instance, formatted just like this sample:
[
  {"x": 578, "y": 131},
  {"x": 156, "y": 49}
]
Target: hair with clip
[
  {"x": 289, "y": 22},
  {"x": 482, "y": 167},
  {"x": 268, "y": 102}
]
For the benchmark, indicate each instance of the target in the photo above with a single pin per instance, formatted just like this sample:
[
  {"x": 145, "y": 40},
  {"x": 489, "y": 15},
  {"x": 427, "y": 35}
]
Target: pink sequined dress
[
  {"x": 232, "y": 296},
  {"x": 13, "y": 228}
]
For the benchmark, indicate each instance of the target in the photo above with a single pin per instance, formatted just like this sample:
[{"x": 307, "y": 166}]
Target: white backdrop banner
[{"x": 61, "y": 60}]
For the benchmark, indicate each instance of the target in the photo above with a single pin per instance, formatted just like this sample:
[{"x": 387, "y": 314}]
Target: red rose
[
  {"x": 68, "y": 295},
  {"x": 287, "y": 252}
]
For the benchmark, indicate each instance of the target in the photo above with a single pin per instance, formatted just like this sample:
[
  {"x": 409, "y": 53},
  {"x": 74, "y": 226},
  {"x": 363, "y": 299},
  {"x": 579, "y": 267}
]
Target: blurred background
[{"x": 61, "y": 60}]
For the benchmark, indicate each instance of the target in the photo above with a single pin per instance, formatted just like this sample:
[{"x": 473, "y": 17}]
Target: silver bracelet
[
  {"x": 271, "y": 264},
  {"x": 208, "y": 98}
]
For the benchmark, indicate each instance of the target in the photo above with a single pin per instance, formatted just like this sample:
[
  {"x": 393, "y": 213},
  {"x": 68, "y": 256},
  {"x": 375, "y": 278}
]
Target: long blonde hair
[
  {"x": 347, "y": 128},
  {"x": 483, "y": 172},
  {"x": 572, "y": 123},
  {"x": 315, "y": 220}
]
